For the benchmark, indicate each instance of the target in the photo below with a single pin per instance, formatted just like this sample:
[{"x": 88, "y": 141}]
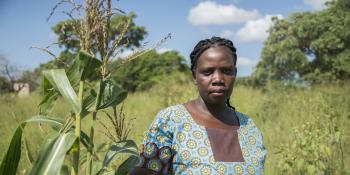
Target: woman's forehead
[{"x": 216, "y": 54}]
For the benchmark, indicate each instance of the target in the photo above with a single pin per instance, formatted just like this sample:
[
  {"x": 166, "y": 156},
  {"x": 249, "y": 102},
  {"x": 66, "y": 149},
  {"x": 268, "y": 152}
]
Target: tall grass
[{"x": 278, "y": 112}]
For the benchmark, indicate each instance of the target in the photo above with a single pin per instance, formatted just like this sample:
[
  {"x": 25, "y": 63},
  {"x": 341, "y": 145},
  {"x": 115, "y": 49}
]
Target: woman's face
[{"x": 215, "y": 75}]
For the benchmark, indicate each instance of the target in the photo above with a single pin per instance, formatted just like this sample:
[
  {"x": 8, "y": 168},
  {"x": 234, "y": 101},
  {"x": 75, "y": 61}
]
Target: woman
[{"x": 206, "y": 135}]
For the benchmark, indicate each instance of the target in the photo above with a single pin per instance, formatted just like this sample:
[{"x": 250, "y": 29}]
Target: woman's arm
[{"x": 156, "y": 152}]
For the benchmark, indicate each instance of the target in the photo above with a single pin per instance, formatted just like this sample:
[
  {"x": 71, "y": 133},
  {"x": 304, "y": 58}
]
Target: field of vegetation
[
  {"x": 305, "y": 130},
  {"x": 298, "y": 95}
]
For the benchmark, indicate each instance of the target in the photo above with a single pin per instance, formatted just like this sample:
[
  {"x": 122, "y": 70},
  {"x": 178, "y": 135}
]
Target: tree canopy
[
  {"x": 68, "y": 38},
  {"x": 143, "y": 72},
  {"x": 309, "y": 46}
]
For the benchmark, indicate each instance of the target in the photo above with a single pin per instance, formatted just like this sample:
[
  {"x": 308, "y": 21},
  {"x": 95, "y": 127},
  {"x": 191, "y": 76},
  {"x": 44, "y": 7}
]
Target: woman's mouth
[{"x": 219, "y": 92}]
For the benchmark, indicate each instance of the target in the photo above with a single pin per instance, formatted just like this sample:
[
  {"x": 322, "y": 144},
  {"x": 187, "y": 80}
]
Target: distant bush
[
  {"x": 5, "y": 85},
  {"x": 143, "y": 73}
]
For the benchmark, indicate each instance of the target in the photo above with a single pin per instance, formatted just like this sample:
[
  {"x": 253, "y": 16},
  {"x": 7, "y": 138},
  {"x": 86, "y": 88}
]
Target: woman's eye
[
  {"x": 207, "y": 72},
  {"x": 227, "y": 71}
]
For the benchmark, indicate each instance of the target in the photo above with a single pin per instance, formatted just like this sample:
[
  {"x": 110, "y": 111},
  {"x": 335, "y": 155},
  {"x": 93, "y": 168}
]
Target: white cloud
[
  {"x": 316, "y": 4},
  {"x": 255, "y": 30},
  {"x": 208, "y": 13},
  {"x": 227, "y": 34},
  {"x": 245, "y": 62}
]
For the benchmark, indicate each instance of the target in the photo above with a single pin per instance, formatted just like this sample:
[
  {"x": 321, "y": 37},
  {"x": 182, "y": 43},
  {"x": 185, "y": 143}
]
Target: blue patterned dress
[{"x": 176, "y": 144}]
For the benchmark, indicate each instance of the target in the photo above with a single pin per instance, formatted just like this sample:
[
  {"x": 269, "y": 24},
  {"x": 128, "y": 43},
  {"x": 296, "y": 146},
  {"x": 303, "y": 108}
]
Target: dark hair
[{"x": 205, "y": 44}]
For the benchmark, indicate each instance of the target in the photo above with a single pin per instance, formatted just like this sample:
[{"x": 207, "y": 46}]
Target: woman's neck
[{"x": 216, "y": 110}]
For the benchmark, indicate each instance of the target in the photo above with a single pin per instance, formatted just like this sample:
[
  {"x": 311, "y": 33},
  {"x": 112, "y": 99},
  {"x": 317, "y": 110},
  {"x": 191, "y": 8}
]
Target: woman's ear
[{"x": 194, "y": 77}]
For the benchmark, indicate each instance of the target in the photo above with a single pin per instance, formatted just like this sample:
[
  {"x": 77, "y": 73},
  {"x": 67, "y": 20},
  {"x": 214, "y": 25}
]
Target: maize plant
[{"x": 86, "y": 86}]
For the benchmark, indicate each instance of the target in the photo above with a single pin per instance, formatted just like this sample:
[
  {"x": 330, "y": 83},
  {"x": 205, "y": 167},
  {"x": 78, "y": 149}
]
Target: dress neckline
[{"x": 227, "y": 127}]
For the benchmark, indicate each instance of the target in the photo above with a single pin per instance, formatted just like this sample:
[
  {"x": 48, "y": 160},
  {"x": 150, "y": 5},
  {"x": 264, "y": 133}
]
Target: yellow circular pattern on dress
[
  {"x": 256, "y": 134},
  {"x": 191, "y": 144},
  {"x": 161, "y": 139},
  {"x": 245, "y": 152},
  {"x": 189, "y": 172},
  {"x": 221, "y": 169},
  {"x": 252, "y": 140},
  {"x": 255, "y": 161},
  {"x": 176, "y": 147},
  {"x": 251, "y": 170},
  {"x": 240, "y": 136},
  {"x": 181, "y": 168},
  {"x": 195, "y": 162},
  {"x": 258, "y": 152},
  {"x": 165, "y": 127},
  {"x": 238, "y": 169},
  {"x": 185, "y": 155},
  {"x": 179, "y": 113},
  {"x": 176, "y": 119},
  {"x": 153, "y": 130},
  {"x": 146, "y": 136},
  {"x": 244, "y": 131},
  {"x": 207, "y": 142},
  {"x": 187, "y": 127},
  {"x": 197, "y": 134},
  {"x": 211, "y": 159},
  {"x": 203, "y": 151},
  {"x": 181, "y": 137},
  {"x": 205, "y": 170}
]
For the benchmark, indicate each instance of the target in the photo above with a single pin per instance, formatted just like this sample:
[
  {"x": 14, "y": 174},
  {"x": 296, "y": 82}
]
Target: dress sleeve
[
  {"x": 156, "y": 150},
  {"x": 261, "y": 150}
]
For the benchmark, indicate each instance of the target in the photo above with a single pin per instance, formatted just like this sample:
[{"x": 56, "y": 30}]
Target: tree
[
  {"x": 7, "y": 70},
  {"x": 68, "y": 38},
  {"x": 8, "y": 75},
  {"x": 141, "y": 74},
  {"x": 5, "y": 85},
  {"x": 308, "y": 46}
]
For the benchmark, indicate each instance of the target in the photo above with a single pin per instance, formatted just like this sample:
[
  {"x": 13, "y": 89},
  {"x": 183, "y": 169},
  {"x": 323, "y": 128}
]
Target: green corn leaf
[
  {"x": 109, "y": 94},
  {"x": 29, "y": 154},
  {"x": 85, "y": 67},
  {"x": 122, "y": 147},
  {"x": 127, "y": 165},
  {"x": 88, "y": 103},
  {"x": 59, "y": 81},
  {"x": 10, "y": 162},
  {"x": 85, "y": 139},
  {"x": 52, "y": 155},
  {"x": 55, "y": 123},
  {"x": 88, "y": 65},
  {"x": 50, "y": 96}
]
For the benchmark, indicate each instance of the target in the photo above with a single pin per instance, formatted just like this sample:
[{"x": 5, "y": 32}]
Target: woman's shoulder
[
  {"x": 245, "y": 120},
  {"x": 178, "y": 109},
  {"x": 171, "y": 112},
  {"x": 173, "y": 108}
]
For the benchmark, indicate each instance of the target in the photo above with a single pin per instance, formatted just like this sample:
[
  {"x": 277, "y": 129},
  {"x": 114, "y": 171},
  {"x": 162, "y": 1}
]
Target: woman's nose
[{"x": 218, "y": 77}]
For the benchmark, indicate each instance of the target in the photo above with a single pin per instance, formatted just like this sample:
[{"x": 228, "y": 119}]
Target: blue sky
[{"x": 23, "y": 24}]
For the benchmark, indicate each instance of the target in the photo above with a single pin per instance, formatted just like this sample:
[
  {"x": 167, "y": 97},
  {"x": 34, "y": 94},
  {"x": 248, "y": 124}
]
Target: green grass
[{"x": 276, "y": 111}]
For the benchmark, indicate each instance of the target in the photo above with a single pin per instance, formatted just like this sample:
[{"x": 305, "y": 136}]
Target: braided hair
[{"x": 205, "y": 44}]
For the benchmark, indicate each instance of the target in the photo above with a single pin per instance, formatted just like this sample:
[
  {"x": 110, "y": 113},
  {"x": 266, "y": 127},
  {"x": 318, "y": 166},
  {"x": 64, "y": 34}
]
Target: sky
[{"x": 23, "y": 24}]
